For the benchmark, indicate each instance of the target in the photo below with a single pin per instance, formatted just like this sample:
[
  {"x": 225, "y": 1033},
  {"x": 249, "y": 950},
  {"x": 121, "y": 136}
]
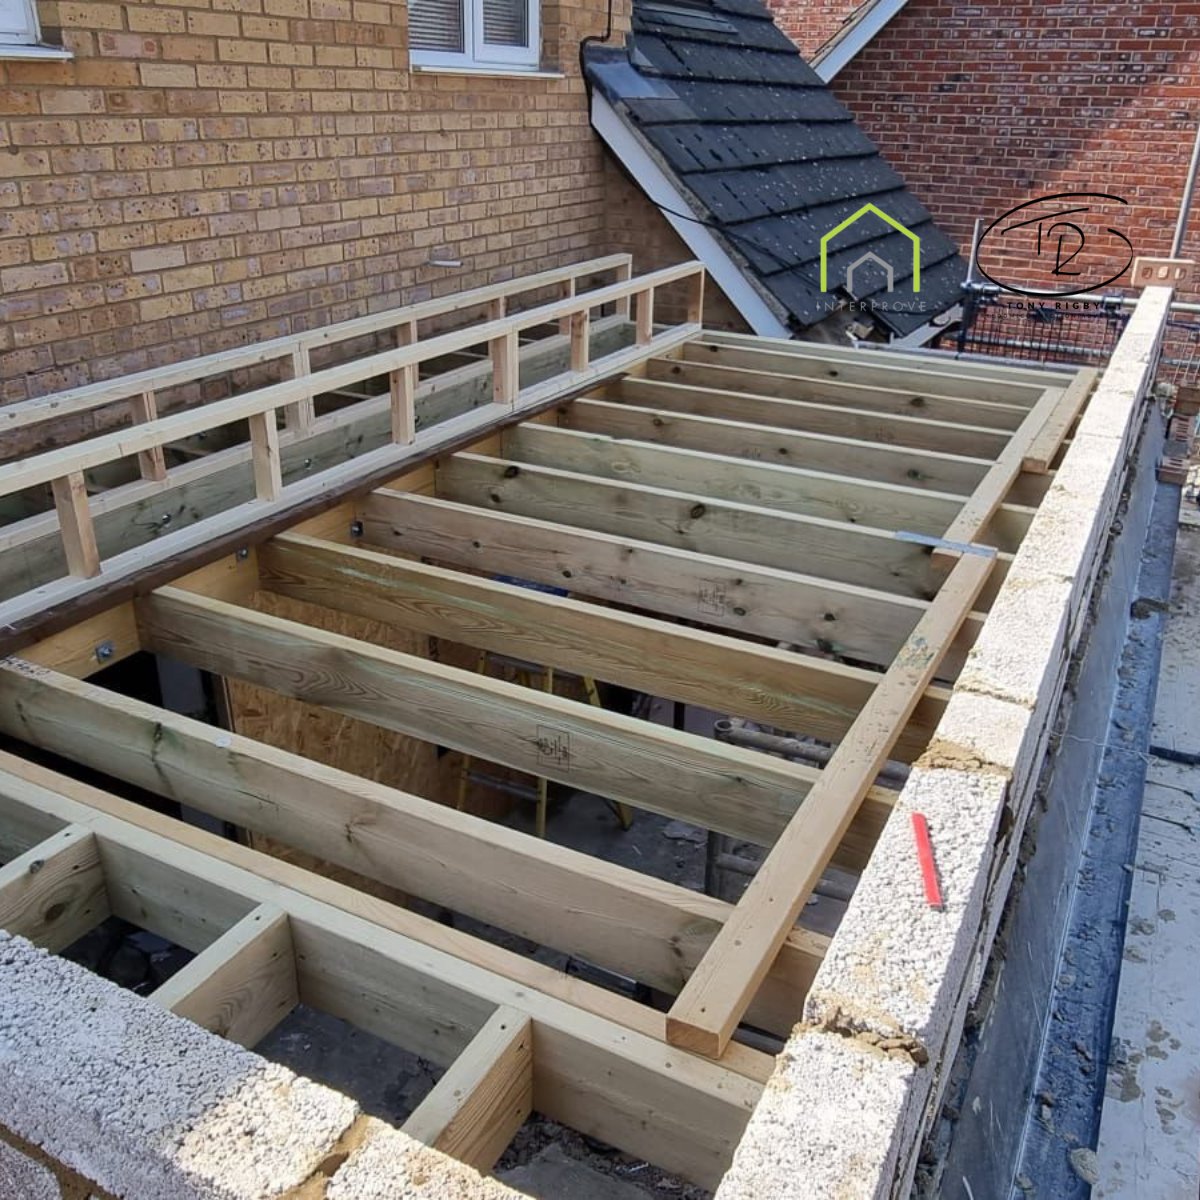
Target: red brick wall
[
  {"x": 811, "y": 23},
  {"x": 207, "y": 173},
  {"x": 983, "y": 106}
]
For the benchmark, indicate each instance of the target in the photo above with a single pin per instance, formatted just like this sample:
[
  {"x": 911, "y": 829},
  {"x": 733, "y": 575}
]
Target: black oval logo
[{"x": 1052, "y": 232}]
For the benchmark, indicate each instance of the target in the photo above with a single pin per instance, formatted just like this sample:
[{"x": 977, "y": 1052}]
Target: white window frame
[
  {"x": 483, "y": 55},
  {"x": 31, "y": 33}
]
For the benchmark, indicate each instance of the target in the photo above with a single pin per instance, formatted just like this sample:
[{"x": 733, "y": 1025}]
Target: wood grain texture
[
  {"x": 859, "y": 623},
  {"x": 708, "y": 1010},
  {"x": 55, "y": 892},
  {"x": 779, "y": 688},
  {"x": 485, "y": 1096},
  {"x": 242, "y": 985},
  {"x": 710, "y": 400}
]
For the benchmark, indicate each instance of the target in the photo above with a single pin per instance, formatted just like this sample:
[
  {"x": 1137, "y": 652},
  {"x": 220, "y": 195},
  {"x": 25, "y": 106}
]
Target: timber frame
[{"x": 805, "y": 537}]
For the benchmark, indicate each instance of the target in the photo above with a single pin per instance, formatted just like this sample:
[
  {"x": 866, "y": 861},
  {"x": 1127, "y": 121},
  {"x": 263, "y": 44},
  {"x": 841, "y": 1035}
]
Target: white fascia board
[
  {"x": 835, "y": 54},
  {"x": 663, "y": 193}
]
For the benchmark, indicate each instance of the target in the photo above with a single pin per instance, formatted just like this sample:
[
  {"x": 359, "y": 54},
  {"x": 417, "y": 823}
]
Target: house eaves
[{"x": 864, "y": 24}]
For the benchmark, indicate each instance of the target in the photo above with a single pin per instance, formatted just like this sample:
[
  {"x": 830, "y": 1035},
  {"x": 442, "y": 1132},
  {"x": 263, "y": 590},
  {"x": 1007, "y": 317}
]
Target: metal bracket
[{"x": 922, "y": 539}]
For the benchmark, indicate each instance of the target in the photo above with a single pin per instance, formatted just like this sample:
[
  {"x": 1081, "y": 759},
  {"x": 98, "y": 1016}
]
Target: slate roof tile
[{"x": 767, "y": 155}]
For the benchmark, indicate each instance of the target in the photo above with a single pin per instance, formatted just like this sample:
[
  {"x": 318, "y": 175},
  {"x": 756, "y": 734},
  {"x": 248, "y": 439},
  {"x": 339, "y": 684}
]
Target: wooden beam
[
  {"x": 54, "y": 893},
  {"x": 714, "y": 999},
  {"x": 926, "y": 469},
  {"x": 622, "y": 920},
  {"x": 644, "y": 316},
  {"x": 715, "y": 786},
  {"x": 603, "y": 1079},
  {"x": 766, "y": 381},
  {"x": 485, "y": 1096},
  {"x": 873, "y": 368},
  {"x": 25, "y": 413},
  {"x": 1045, "y": 444},
  {"x": 978, "y": 513},
  {"x": 242, "y": 985},
  {"x": 762, "y": 683},
  {"x": 264, "y": 442},
  {"x": 75, "y": 525},
  {"x": 854, "y": 554},
  {"x": 22, "y": 825},
  {"x": 918, "y": 433},
  {"x": 141, "y": 512},
  {"x": 151, "y": 463},
  {"x": 793, "y": 489},
  {"x": 232, "y": 528},
  {"x": 855, "y": 363},
  {"x": 858, "y": 623}
]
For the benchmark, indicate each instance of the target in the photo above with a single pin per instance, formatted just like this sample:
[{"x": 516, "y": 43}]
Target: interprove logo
[
  {"x": 869, "y": 257},
  {"x": 1047, "y": 235}
]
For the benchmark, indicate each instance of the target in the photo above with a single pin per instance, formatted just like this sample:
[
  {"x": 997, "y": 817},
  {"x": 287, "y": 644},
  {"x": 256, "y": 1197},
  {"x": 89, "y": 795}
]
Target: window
[
  {"x": 18, "y": 23},
  {"x": 465, "y": 33}
]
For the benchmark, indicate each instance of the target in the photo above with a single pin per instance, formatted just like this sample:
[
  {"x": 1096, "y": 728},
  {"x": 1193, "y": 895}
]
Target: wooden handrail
[
  {"x": 63, "y": 468},
  {"x": 296, "y": 346}
]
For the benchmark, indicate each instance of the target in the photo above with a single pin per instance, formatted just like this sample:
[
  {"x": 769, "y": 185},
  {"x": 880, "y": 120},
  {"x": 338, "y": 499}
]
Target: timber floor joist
[{"x": 806, "y": 538}]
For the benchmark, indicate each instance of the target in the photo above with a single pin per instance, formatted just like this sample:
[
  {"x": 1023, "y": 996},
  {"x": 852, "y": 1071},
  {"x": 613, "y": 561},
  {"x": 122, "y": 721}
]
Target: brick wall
[
  {"x": 207, "y": 173},
  {"x": 984, "y": 106},
  {"x": 811, "y": 23},
  {"x": 635, "y": 226}
]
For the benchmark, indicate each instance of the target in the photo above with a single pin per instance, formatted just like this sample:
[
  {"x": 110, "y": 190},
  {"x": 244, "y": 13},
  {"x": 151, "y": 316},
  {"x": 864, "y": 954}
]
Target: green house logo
[{"x": 869, "y": 256}]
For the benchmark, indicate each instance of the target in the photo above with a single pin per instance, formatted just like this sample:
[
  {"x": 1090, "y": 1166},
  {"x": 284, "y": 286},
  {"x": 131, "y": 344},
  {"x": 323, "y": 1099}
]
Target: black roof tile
[{"x": 769, "y": 158}]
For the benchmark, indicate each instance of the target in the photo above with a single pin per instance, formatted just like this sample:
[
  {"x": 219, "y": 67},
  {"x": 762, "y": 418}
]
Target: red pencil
[{"x": 933, "y": 891}]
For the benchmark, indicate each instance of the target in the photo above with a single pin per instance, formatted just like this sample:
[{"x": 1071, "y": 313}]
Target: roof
[
  {"x": 858, "y": 28},
  {"x": 769, "y": 160}
]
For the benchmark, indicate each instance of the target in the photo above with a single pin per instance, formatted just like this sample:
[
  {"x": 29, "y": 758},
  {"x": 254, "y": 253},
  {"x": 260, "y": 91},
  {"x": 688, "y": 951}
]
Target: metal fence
[{"x": 1065, "y": 331}]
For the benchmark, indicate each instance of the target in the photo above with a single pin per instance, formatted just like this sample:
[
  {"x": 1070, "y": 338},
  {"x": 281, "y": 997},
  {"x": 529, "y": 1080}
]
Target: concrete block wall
[
  {"x": 207, "y": 173},
  {"x": 104, "y": 1093},
  {"x": 885, "y": 1014}
]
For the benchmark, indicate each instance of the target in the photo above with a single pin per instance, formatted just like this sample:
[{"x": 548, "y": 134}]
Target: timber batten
[{"x": 748, "y": 527}]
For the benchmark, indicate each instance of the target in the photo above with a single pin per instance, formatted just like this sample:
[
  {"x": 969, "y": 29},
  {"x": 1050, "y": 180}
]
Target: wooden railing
[
  {"x": 140, "y": 390},
  {"x": 63, "y": 468}
]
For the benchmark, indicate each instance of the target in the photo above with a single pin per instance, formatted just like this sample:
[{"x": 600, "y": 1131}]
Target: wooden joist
[
  {"x": 928, "y": 470},
  {"x": 485, "y": 1096},
  {"x": 622, "y": 920},
  {"x": 761, "y": 683},
  {"x": 714, "y": 999},
  {"x": 605, "y": 1080},
  {"x": 242, "y": 985},
  {"x": 859, "y": 623},
  {"x": 793, "y": 489},
  {"x": 991, "y": 383},
  {"x": 835, "y": 550},
  {"x": 54, "y": 892},
  {"x": 710, "y": 784},
  {"x": 765, "y": 379},
  {"x": 915, "y": 432}
]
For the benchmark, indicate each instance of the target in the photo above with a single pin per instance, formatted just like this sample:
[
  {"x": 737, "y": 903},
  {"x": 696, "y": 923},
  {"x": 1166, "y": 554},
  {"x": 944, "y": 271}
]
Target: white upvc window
[
  {"x": 474, "y": 33},
  {"x": 18, "y": 23}
]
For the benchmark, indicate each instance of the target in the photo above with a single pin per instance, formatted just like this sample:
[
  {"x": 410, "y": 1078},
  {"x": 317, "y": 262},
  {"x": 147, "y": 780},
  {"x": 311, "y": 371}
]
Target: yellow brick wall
[{"x": 207, "y": 173}]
